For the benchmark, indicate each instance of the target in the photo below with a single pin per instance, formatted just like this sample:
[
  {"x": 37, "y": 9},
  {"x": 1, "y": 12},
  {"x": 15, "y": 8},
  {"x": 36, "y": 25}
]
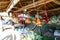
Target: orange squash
[
  {"x": 37, "y": 21},
  {"x": 28, "y": 21}
]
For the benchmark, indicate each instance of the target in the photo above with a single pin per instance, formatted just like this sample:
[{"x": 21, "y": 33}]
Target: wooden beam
[
  {"x": 12, "y": 4},
  {"x": 35, "y": 9},
  {"x": 38, "y": 3},
  {"x": 3, "y": 6},
  {"x": 16, "y": 7},
  {"x": 57, "y": 1},
  {"x": 51, "y": 10},
  {"x": 2, "y": 9},
  {"x": 4, "y": 2},
  {"x": 42, "y": 11}
]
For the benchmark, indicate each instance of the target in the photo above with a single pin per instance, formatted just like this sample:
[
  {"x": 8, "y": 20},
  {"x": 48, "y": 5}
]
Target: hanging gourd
[
  {"x": 28, "y": 20},
  {"x": 37, "y": 20},
  {"x": 45, "y": 17},
  {"x": 39, "y": 23}
]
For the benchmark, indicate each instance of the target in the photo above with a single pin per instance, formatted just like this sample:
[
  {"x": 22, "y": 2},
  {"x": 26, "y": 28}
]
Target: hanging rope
[
  {"x": 45, "y": 11},
  {"x": 45, "y": 17},
  {"x": 28, "y": 20}
]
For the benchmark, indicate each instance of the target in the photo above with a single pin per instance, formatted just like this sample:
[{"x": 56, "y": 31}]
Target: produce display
[
  {"x": 55, "y": 19},
  {"x": 26, "y": 34},
  {"x": 36, "y": 29}
]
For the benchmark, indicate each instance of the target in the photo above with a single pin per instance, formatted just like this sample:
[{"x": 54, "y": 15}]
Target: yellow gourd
[
  {"x": 37, "y": 21},
  {"x": 28, "y": 21},
  {"x": 34, "y": 21}
]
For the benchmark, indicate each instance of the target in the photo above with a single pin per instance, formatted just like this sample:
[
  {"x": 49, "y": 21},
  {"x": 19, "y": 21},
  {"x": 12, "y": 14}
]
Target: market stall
[{"x": 30, "y": 20}]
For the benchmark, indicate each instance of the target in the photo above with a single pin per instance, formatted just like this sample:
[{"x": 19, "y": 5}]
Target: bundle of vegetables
[
  {"x": 34, "y": 27},
  {"x": 26, "y": 34},
  {"x": 55, "y": 20},
  {"x": 46, "y": 28}
]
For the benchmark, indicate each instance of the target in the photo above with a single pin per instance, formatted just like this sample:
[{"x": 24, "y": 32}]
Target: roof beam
[
  {"x": 16, "y": 7},
  {"x": 51, "y": 10},
  {"x": 3, "y": 6},
  {"x": 12, "y": 4},
  {"x": 38, "y": 3},
  {"x": 2, "y": 10},
  {"x": 4, "y": 2}
]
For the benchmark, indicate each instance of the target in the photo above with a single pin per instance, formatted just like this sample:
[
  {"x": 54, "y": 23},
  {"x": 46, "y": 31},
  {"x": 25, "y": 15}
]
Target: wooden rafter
[
  {"x": 12, "y": 4},
  {"x": 16, "y": 7},
  {"x": 2, "y": 10},
  {"x": 3, "y": 6},
  {"x": 4, "y": 2},
  {"x": 51, "y": 10},
  {"x": 38, "y": 3}
]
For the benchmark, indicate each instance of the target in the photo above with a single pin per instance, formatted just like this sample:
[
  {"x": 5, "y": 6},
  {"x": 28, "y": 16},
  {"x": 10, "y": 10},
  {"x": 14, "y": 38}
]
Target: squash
[{"x": 28, "y": 21}]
